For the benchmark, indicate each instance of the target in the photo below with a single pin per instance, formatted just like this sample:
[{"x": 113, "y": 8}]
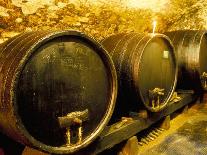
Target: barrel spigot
[
  {"x": 75, "y": 118},
  {"x": 154, "y": 96},
  {"x": 204, "y": 79}
]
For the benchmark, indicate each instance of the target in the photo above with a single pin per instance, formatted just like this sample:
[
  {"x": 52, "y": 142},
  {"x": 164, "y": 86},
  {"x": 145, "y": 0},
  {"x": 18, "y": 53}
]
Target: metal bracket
[
  {"x": 154, "y": 96},
  {"x": 71, "y": 119},
  {"x": 204, "y": 79}
]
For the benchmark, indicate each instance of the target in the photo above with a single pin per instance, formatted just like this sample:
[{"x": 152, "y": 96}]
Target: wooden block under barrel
[
  {"x": 131, "y": 147},
  {"x": 31, "y": 151}
]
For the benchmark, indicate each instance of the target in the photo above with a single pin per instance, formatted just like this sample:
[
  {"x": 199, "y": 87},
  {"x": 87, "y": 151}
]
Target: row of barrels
[{"x": 58, "y": 89}]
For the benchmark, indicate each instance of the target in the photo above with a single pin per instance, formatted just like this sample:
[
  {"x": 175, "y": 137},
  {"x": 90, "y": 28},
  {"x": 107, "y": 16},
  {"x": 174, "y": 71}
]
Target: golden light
[
  {"x": 154, "y": 5},
  {"x": 154, "y": 26}
]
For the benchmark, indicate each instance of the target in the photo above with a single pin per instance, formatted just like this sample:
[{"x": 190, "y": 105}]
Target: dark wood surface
[
  {"x": 54, "y": 84},
  {"x": 46, "y": 75},
  {"x": 128, "y": 127},
  {"x": 143, "y": 62},
  {"x": 190, "y": 47}
]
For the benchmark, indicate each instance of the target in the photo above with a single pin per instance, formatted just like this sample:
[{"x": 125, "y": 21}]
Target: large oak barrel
[
  {"x": 57, "y": 90},
  {"x": 191, "y": 50},
  {"x": 146, "y": 69}
]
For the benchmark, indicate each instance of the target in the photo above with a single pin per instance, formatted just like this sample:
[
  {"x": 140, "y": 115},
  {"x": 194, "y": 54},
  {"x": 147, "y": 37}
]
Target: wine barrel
[
  {"x": 146, "y": 69},
  {"x": 57, "y": 91},
  {"x": 190, "y": 47}
]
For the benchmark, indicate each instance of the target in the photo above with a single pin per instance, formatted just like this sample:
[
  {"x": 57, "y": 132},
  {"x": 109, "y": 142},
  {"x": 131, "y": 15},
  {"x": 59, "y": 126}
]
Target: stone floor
[{"x": 186, "y": 136}]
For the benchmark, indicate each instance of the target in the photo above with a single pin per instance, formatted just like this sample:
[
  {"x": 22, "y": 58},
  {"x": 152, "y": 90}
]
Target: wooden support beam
[
  {"x": 124, "y": 130},
  {"x": 31, "y": 151},
  {"x": 127, "y": 128},
  {"x": 131, "y": 147},
  {"x": 165, "y": 123},
  {"x": 185, "y": 109}
]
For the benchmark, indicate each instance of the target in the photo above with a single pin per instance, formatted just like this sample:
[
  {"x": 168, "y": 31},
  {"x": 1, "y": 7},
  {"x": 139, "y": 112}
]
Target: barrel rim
[
  {"x": 203, "y": 34},
  {"x": 167, "y": 99},
  {"x": 112, "y": 98}
]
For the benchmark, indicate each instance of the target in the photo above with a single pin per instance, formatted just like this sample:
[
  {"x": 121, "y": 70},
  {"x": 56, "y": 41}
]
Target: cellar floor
[{"x": 187, "y": 135}]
